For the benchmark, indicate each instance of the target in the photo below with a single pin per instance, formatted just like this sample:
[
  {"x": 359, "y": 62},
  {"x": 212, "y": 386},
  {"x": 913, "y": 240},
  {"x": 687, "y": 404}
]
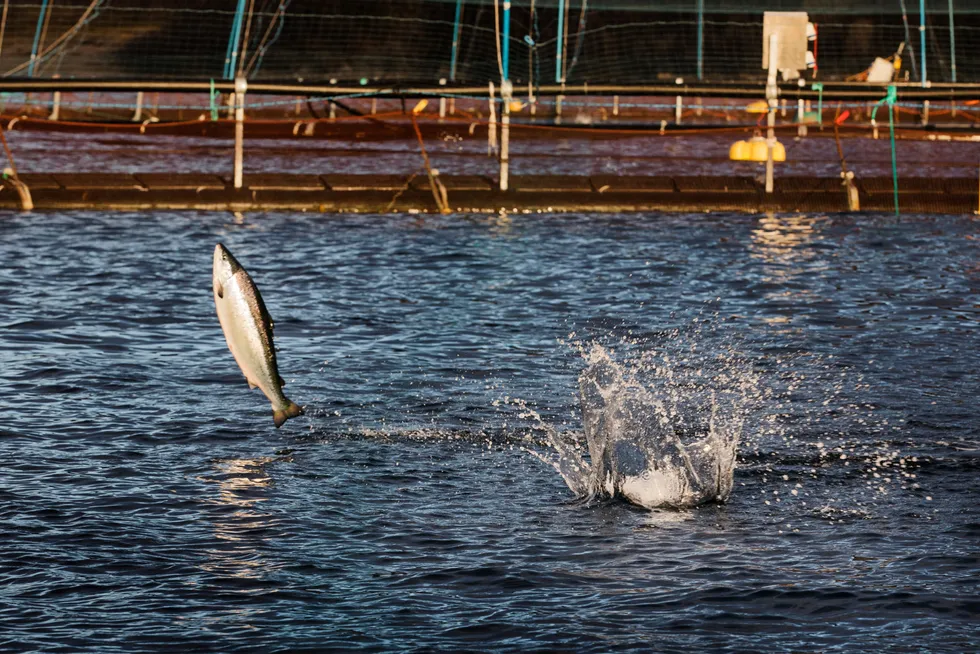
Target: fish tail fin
[{"x": 282, "y": 415}]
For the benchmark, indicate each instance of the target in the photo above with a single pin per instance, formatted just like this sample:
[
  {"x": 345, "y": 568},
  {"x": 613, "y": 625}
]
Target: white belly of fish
[{"x": 245, "y": 340}]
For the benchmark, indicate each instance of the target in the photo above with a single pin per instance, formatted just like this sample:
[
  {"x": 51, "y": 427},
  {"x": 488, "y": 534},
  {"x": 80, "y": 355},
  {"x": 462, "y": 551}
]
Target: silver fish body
[{"x": 248, "y": 328}]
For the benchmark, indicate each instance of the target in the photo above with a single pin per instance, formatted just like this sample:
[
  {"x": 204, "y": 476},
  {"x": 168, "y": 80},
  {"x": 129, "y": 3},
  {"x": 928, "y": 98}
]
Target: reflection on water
[
  {"x": 241, "y": 524},
  {"x": 782, "y": 239}
]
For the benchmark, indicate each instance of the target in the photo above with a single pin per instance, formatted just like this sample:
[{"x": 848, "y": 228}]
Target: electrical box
[{"x": 791, "y": 26}]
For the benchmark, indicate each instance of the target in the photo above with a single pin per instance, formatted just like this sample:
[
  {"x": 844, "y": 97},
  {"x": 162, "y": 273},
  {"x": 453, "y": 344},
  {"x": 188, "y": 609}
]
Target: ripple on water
[{"x": 147, "y": 503}]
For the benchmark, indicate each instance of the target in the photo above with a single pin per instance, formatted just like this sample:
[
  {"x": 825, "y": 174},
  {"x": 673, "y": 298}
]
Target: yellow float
[{"x": 756, "y": 149}]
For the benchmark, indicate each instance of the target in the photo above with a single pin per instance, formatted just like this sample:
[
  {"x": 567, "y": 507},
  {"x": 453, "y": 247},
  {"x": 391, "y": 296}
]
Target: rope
[
  {"x": 280, "y": 13},
  {"x": 42, "y": 55},
  {"x": 890, "y": 99},
  {"x": 496, "y": 36},
  {"x": 3, "y": 23},
  {"x": 248, "y": 28}
]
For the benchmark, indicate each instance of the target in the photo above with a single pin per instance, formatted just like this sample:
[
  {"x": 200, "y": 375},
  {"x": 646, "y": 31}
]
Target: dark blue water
[{"x": 147, "y": 502}]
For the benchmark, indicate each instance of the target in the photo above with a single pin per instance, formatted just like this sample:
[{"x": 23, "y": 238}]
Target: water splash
[{"x": 660, "y": 430}]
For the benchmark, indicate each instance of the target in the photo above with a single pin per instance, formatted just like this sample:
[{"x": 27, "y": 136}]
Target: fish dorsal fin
[{"x": 282, "y": 382}]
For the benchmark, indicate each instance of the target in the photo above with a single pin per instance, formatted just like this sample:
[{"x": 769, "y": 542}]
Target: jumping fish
[{"x": 248, "y": 329}]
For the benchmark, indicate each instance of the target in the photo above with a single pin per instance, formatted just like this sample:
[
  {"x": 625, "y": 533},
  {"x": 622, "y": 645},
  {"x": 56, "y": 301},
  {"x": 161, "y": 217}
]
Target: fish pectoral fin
[
  {"x": 218, "y": 288},
  {"x": 252, "y": 385}
]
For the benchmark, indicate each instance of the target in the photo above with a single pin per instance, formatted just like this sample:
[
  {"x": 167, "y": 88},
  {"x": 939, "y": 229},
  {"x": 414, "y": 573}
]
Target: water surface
[{"x": 147, "y": 502}]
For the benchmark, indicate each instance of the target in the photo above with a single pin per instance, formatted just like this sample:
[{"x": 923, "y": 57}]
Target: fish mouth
[{"x": 225, "y": 265}]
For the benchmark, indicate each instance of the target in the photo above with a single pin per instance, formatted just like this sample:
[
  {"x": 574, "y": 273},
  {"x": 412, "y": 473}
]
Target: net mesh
[{"x": 401, "y": 42}]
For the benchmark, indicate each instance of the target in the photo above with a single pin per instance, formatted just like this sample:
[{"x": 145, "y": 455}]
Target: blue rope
[{"x": 37, "y": 37}]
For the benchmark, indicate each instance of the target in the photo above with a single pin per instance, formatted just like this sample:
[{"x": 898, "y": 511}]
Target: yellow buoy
[
  {"x": 757, "y": 107},
  {"x": 756, "y": 149}
]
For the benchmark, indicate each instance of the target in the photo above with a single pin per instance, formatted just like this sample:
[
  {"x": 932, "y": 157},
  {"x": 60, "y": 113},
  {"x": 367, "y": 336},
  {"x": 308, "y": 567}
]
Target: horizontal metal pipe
[{"x": 831, "y": 91}]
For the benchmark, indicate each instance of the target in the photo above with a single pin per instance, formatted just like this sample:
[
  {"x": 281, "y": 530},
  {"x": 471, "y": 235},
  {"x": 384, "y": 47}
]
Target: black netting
[{"x": 393, "y": 41}]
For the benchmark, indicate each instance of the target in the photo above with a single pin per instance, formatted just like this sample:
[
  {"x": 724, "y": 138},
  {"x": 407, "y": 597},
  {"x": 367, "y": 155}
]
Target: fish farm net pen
[
  {"x": 544, "y": 71},
  {"x": 554, "y": 41}
]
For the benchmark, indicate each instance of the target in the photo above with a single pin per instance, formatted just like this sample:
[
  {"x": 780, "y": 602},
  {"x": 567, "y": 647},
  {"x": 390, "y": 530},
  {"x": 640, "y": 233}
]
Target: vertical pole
[
  {"x": 138, "y": 114},
  {"x": 231, "y": 56},
  {"x": 952, "y": 43},
  {"x": 492, "y": 123},
  {"x": 456, "y": 27},
  {"x": 701, "y": 39},
  {"x": 678, "y": 103},
  {"x": 506, "y": 93},
  {"x": 559, "y": 60},
  {"x": 529, "y": 39},
  {"x": 891, "y": 132},
  {"x": 442, "y": 101},
  {"x": 55, "y": 106},
  {"x": 771, "y": 93},
  {"x": 922, "y": 39},
  {"x": 37, "y": 37},
  {"x": 558, "y": 101},
  {"x": 505, "y": 48},
  {"x": 559, "y": 73},
  {"x": 240, "y": 87}
]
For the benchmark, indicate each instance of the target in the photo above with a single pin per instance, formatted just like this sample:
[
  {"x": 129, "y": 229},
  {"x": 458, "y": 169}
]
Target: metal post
[
  {"x": 442, "y": 101},
  {"x": 891, "y": 134},
  {"x": 772, "y": 92},
  {"x": 456, "y": 29},
  {"x": 231, "y": 54},
  {"x": 492, "y": 124},
  {"x": 505, "y": 49},
  {"x": 701, "y": 39},
  {"x": 678, "y": 103},
  {"x": 138, "y": 114},
  {"x": 952, "y": 43},
  {"x": 922, "y": 39},
  {"x": 559, "y": 73},
  {"x": 37, "y": 37},
  {"x": 240, "y": 87},
  {"x": 529, "y": 39},
  {"x": 55, "y": 106},
  {"x": 506, "y": 93},
  {"x": 558, "y": 101}
]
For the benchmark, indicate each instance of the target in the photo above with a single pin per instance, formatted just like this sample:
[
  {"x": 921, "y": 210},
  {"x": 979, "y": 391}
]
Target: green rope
[
  {"x": 211, "y": 97},
  {"x": 818, "y": 87},
  {"x": 890, "y": 99}
]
